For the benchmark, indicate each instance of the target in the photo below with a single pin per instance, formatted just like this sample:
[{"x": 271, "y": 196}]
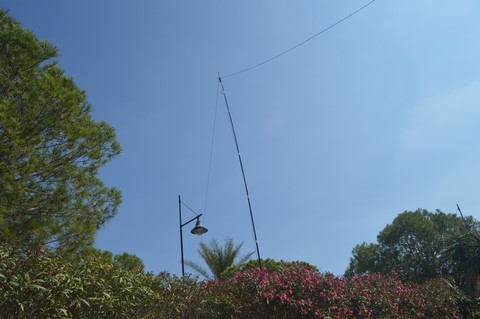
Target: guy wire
[
  {"x": 211, "y": 148},
  {"x": 299, "y": 44}
]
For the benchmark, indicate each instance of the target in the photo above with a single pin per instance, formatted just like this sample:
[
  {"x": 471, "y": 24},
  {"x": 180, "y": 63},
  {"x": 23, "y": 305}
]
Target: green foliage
[
  {"x": 414, "y": 245},
  {"x": 464, "y": 254},
  {"x": 35, "y": 285},
  {"x": 218, "y": 258},
  {"x": 365, "y": 260},
  {"x": 298, "y": 292},
  {"x": 104, "y": 255},
  {"x": 129, "y": 262},
  {"x": 126, "y": 261},
  {"x": 270, "y": 264},
  {"x": 50, "y": 149},
  {"x": 44, "y": 285}
]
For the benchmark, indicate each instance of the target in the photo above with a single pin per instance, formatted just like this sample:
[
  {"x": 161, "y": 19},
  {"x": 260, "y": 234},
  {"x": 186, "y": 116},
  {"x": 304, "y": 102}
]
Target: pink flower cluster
[{"x": 304, "y": 292}]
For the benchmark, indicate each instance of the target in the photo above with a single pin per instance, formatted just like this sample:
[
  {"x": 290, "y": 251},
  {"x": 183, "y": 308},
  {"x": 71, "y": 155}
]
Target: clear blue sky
[{"x": 377, "y": 116}]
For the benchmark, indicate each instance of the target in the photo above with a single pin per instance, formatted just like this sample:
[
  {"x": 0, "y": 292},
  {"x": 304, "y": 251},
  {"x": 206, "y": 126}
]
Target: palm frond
[
  {"x": 199, "y": 269},
  {"x": 218, "y": 258}
]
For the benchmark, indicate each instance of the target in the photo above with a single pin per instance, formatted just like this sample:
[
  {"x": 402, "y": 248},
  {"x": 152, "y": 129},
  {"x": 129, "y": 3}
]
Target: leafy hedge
[{"x": 41, "y": 285}]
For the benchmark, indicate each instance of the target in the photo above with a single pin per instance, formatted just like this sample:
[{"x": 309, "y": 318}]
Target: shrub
[
  {"x": 36, "y": 285},
  {"x": 43, "y": 285},
  {"x": 297, "y": 292}
]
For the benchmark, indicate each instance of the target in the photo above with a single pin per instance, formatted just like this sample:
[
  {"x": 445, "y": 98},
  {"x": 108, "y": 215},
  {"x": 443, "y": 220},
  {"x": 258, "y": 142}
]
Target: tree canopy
[
  {"x": 415, "y": 245},
  {"x": 125, "y": 260},
  {"x": 50, "y": 149},
  {"x": 129, "y": 262}
]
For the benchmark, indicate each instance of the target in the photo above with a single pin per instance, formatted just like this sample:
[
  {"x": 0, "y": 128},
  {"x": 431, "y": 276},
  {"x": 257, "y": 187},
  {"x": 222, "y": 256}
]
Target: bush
[
  {"x": 37, "y": 285},
  {"x": 270, "y": 264},
  {"x": 43, "y": 285},
  {"x": 297, "y": 292}
]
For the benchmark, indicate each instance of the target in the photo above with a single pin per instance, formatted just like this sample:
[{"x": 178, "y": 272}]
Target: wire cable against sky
[
  {"x": 211, "y": 148},
  {"x": 299, "y": 44},
  {"x": 189, "y": 208}
]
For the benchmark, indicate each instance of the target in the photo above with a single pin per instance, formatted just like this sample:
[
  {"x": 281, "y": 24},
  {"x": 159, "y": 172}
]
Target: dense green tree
[
  {"x": 365, "y": 259},
  {"x": 414, "y": 245},
  {"x": 104, "y": 256},
  {"x": 218, "y": 258},
  {"x": 50, "y": 149},
  {"x": 129, "y": 262},
  {"x": 125, "y": 260}
]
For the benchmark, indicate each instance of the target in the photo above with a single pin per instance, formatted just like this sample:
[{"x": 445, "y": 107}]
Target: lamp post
[{"x": 199, "y": 229}]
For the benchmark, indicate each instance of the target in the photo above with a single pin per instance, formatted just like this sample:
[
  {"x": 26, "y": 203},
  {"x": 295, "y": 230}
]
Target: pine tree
[{"x": 50, "y": 149}]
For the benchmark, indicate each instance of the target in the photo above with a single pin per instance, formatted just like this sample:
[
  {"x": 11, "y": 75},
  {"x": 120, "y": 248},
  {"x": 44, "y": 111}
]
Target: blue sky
[{"x": 376, "y": 116}]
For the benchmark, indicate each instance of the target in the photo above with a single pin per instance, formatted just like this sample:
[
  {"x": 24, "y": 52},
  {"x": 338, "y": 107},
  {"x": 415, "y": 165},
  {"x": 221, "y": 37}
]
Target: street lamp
[{"x": 199, "y": 229}]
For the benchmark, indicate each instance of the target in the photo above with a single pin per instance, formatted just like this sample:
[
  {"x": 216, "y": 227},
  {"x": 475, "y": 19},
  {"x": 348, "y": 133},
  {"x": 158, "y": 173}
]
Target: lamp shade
[{"x": 199, "y": 229}]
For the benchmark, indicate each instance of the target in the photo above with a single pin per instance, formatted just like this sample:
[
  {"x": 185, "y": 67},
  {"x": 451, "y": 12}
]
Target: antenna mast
[{"x": 243, "y": 171}]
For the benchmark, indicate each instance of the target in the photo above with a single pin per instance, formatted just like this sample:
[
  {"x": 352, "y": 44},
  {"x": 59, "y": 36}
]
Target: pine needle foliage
[{"x": 50, "y": 150}]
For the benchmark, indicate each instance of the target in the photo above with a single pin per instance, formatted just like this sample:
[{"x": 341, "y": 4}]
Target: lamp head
[{"x": 199, "y": 229}]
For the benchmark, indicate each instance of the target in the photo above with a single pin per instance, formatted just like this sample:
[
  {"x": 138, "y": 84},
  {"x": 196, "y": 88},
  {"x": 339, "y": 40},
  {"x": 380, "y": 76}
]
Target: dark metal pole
[
  {"x": 243, "y": 172},
  {"x": 460, "y": 211},
  {"x": 181, "y": 235},
  {"x": 181, "y": 230}
]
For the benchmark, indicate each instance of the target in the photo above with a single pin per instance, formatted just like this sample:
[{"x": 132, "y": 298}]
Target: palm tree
[
  {"x": 464, "y": 253},
  {"x": 218, "y": 258}
]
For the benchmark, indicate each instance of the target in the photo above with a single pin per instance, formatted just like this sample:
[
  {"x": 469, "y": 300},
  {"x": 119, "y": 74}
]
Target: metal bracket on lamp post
[{"x": 199, "y": 229}]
